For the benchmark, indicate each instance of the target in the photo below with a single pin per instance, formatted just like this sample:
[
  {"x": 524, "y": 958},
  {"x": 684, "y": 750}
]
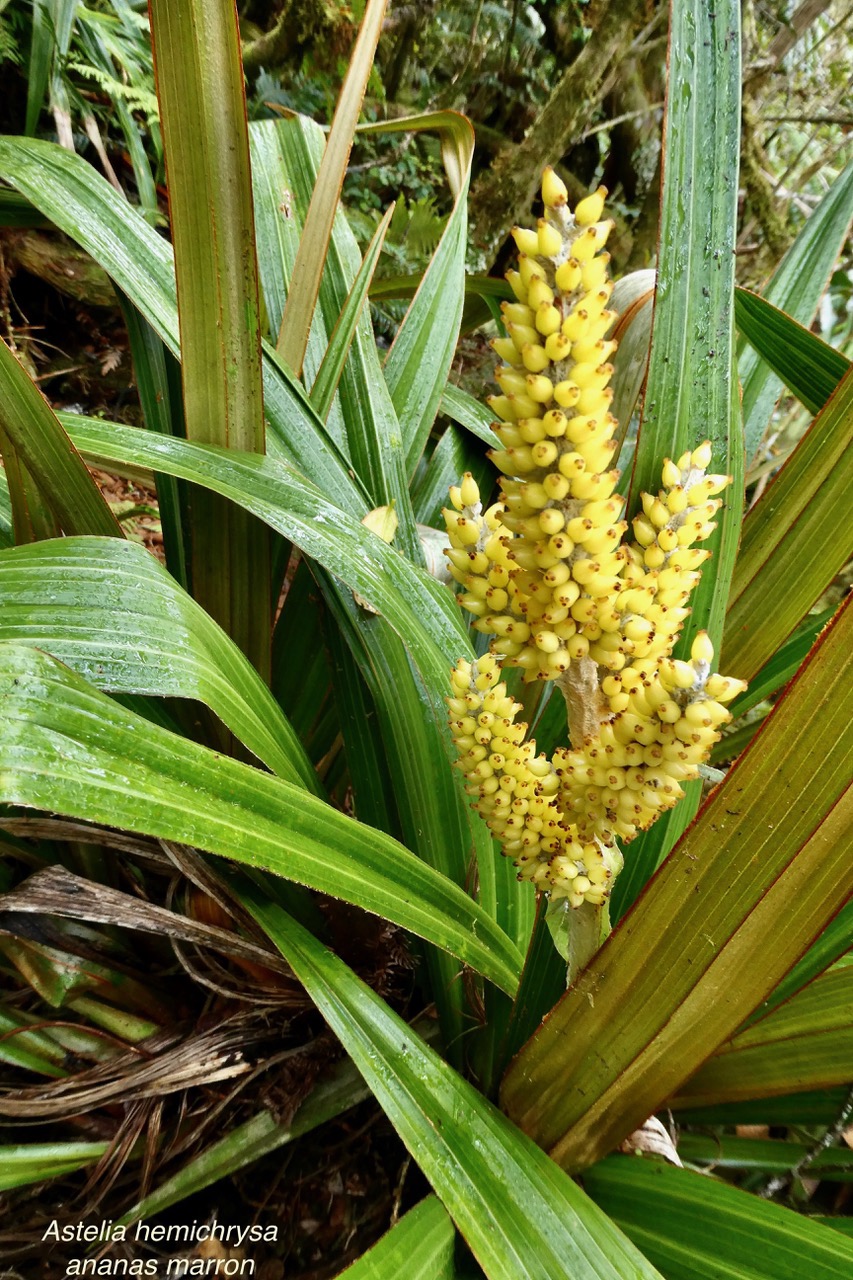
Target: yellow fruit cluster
[
  {"x": 518, "y": 792},
  {"x": 551, "y": 577}
]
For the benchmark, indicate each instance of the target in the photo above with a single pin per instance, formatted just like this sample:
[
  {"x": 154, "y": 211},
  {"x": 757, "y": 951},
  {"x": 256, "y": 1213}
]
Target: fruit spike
[{"x": 566, "y": 592}]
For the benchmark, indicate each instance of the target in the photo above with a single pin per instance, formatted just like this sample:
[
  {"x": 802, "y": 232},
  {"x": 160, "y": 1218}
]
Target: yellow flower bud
[
  {"x": 576, "y": 324},
  {"x": 671, "y": 474},
  {"x": 590, "y": 209},
  {"x": 555, "y": 423},
  {"x": 507, "y": 350},
  {"x": 539, "y": 388},
  {"x": 550, "y": 242},
  {"x": 594, "y": 273},
  {"x": 469, "y": 490},
  {"x": 701, "y": 650},
  {"x": 526, "y": 241},
  {"x": 567, "y": 394},
  {"x": 513, "y": 382},
  {"x": 532, "y": 430},
  {"x": 547, "y": 577},
  {"x": 568, "y": 276},
  {"x": 558, "y": 347},
  {"x": 702, "y": 456},
  {"x": 595, "y": 400},
  {"x": 548, "y": 320},
  {"x": 529, "y": 270},
  {"x": 534, "y": 357},
  {"x": 519, "y": 288},
  {"x": 522, "y": 335},
  {"x": 554, "y": 193},
  {"x": 724, "y": 688}
]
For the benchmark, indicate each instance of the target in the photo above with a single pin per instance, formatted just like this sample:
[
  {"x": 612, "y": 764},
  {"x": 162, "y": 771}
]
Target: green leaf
[
  {"x": 202, "y": 110},
  {"x": 32, "y": 518},
  {"x": 795, "y": 288},
  {"x": 835, "y": 941},
  {"x": 808, "y": 366},
  {"x": 373, "y": 440},
  {"x": 454, "y": 454},
  {"x": 518, "y": 1212},
  {"x": 37, "y": 1161},
  {"x": 199, "y": 73},
  {"x": 437, "y": 820},
  {"x": 795, "y": 539},
  {"x": 53, "y": 22},
  {"x": 313, "y": 246},
  {"x": 158, "y": 382},
  {"x": 328, "y": 375},
  {"x": 768, "y": 1155},
  {"x": 469, "y": 413},
  {"x": 29, "y": 1048},
  {"x": 301, "y": 673},
  {"x": 696, "y": 1228},
  {"x": 813, "y": 1107},
  {"x": 6, "y": 539},
  {"x": 806, "y": 1043},
  {"x": 422, "y": 611},
  {"x": 647, "y": 1010},
  {"x": 422, "y": 352},
  {"x": 692, "y": 390},
  {"x": 65, "y": 747},
  {"x": 419, "y": 1246},
  {"x": 368, "y": 776},
  {"x": 107, "y": 609},
  {"x": 39, "y": 441}
]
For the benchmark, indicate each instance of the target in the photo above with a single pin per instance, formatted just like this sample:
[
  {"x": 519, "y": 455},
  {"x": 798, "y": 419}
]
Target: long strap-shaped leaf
[
  {"x": 373, "y": 438},
  {"x": 691, "y": 961},
  {"x": 30, "y": 426},
  {"x": 807, "y": 1043},
  {"x": 422, "y": 352},
  {"x": 419, "y": 1246},
  {"x": 519, "y": 1213},
  {"x": 794, "y": 540},
  {"x": 66, "y": 747},
  {"x": 199, "y": 75},
  {"x": 696, "y": 1228},
  {"x": 108, "y": 609},
  {"x": 808, "y": 366},
  {"x": 691, "y": 391},
  {"x": 308, "y": 268},
  {"x": 796, "y": 288},
  {"x": 40, "y": 1161},
  {"x": 437, "y": 822},
  {"x": 835, "y": 941}
]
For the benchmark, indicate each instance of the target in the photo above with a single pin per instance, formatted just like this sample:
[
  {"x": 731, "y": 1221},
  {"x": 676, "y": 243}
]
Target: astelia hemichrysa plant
[{"x": 569, "y": 591}]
